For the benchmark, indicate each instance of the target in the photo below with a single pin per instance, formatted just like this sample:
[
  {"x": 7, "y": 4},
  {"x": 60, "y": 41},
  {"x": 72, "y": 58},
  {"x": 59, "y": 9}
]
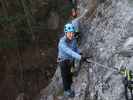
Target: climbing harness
[{"x": 127, "y": 73}]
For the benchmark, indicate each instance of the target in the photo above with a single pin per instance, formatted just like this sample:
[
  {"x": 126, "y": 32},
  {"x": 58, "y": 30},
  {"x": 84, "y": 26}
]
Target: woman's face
[{"x": 70, "y": 35}]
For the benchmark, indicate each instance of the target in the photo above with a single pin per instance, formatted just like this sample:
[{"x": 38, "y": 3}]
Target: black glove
[
  {"x": 81, "y": 53},
  {"x": 83, "y": 58}
]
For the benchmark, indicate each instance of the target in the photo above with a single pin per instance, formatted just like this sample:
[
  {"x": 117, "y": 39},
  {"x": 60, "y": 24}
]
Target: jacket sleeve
[
  {"x": 78, "y": 51},
  {"x": 70, "y": 52}
]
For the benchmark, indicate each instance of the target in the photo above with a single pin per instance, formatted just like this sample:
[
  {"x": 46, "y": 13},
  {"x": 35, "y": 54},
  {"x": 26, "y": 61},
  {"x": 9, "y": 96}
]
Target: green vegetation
[{"x": 8, "y": 44}]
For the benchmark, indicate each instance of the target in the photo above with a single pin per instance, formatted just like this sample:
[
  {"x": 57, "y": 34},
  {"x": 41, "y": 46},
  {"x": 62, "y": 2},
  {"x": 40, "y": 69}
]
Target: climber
[
  {"x": 75, "y": 20},
  {"x": 128, "y": 83},
  {"x": 67, "y": 52}
]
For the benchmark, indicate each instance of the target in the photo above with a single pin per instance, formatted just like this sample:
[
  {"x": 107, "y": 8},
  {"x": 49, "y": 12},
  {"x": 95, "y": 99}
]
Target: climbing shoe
[
  {"x": 69, "y": 93},
  {"x": 72, "y": 93}
]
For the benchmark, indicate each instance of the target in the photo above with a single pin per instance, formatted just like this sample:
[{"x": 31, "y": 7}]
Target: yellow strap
[{"x": 127, "y": 74}]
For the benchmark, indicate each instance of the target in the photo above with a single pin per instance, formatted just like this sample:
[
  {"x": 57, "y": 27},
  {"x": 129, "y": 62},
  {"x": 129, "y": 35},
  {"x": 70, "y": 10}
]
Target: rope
[
  {"x": 116, "y": 70},
  {"x": 106, "y": 67}
]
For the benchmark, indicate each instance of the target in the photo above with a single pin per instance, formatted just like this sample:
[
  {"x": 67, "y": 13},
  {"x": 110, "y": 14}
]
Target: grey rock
[
  {"x": 20, "y": 96},
  {"x": 108, "y": 37},
  {"x": 130, "y": 66},
  {"x": 50, "y": 97},
  {"x": 129, "y": 44},
  {"x": 110, "y": 32},
  {"x": 55, "y": 86}
]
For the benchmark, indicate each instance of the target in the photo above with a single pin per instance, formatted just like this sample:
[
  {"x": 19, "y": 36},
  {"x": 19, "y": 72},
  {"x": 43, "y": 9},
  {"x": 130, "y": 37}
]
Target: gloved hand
[
  {"x": 83, "y": 58},
  {"x": 81, "y": 53}
]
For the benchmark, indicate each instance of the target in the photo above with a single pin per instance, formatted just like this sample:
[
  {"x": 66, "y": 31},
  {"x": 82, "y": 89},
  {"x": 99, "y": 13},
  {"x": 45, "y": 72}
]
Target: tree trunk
[
  {"x": 27, "y": 14},
  {"x": 4, "y": 7}
]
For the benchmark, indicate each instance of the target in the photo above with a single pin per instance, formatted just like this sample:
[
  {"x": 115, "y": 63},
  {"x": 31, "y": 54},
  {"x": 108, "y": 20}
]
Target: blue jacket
[{"x": 68, "y": 49}]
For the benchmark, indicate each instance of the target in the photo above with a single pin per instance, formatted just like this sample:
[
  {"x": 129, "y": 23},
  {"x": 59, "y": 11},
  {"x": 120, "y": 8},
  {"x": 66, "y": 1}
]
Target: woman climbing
[{"x": 67, "y": 52}]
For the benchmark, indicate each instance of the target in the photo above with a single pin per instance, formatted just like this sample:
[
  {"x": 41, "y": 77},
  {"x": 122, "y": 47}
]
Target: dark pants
[
  {"x": 128, "y": 86},
  {"x": 66, "y": 74}
]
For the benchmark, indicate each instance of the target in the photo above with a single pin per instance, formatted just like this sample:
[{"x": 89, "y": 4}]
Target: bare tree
[
  {"x": 27, "y": 14},
  {"x": 3, "y": 3}
]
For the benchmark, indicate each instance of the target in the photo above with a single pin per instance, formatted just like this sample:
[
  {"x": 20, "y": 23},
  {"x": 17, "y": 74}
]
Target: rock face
[{"x": 108, "y": 36}]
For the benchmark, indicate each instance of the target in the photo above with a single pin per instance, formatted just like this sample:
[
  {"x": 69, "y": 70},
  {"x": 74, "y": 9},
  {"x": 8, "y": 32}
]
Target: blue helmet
[{"x": 69, "y": 28}]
